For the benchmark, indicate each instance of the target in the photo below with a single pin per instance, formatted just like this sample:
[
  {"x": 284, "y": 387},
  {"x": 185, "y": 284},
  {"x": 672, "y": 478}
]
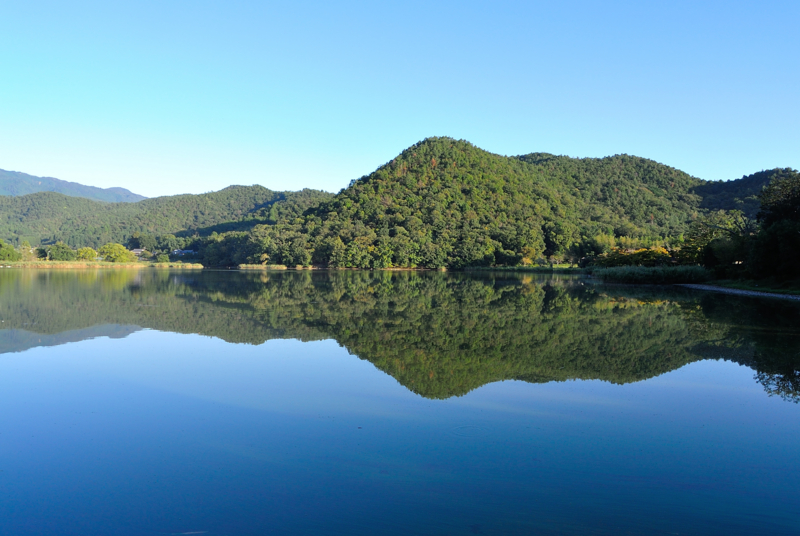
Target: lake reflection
[{"x": 157, "y": 402}]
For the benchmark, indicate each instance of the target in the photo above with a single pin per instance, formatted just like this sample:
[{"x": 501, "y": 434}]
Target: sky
[{"x": 174, "y": 97}]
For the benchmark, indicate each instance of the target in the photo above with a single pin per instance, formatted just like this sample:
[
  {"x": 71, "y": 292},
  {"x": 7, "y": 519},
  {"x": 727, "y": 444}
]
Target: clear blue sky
[{"x": 172, "y": 97}]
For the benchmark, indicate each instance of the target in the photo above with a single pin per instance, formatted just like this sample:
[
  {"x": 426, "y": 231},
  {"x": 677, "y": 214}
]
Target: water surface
[{"x": 230, "y": 403}]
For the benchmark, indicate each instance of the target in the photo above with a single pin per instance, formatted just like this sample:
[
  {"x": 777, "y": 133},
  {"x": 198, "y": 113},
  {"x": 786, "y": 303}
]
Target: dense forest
[
  {"x": 48, "y": 217},
  {"x": 440, "y": 335},
  {"x": 445, "y": 203},
  {"x": 16, "y": 183}
]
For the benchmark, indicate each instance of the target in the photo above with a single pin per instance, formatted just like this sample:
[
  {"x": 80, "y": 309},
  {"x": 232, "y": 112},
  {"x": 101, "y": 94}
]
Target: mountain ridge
[
  {"x": 16, "y": 183},
  {"x": 440, "y": 203},
  {"x": 47, "y": 217},
  {"x": 447, "y": 203}
]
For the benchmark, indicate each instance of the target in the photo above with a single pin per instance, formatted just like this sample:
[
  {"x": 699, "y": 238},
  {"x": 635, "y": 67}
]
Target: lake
[{"x": 400, "y": 403}]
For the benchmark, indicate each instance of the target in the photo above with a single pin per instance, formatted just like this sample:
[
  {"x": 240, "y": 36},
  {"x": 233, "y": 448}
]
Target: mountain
[
  {"x": 49, "y": 216},
  {"x": 447, "y": 203},
  {"x": 15, "y": 183},
  {"x": 440, "y": 203}
]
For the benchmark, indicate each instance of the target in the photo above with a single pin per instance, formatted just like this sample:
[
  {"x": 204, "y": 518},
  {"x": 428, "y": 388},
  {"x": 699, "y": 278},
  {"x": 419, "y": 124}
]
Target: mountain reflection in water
[{"x": 439, "y": 334}]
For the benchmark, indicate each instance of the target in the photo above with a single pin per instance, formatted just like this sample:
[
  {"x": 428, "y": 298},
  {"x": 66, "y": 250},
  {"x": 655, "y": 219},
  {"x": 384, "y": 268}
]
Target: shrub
[
  {"x": 641, "y": 257},
  {"x": 86, "y": 254},
  {"x": 61, "y": 252},
  {"x": 116, "y": 253},
  {"x": 8, "y": 253}
]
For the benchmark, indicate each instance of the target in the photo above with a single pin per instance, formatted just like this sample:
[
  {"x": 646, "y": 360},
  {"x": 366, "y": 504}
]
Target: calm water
[{"x": 224, "y": 403}]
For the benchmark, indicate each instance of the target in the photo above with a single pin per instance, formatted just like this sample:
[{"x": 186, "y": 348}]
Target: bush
[
  {"x": 8, "y": 253},
  {"x": 61, "y": 252},
  {"x": 640, "y": 257},
  {"x": 659, "y": 275},
  {"x": 116, "y": 253},
  {"x": 86, "y": 254}
]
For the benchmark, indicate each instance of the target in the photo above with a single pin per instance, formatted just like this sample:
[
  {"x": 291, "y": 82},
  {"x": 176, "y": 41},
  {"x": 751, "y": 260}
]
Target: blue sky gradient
[{"x": 174, "y": 97}]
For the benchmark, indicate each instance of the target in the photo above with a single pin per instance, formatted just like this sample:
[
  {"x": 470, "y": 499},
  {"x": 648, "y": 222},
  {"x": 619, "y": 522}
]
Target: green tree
[
  {"x": 780, "y": 199},
  {"x": 116, "y": 253},
  {"x": 8, "y": 253},
  {"x": 87, "y": 254},
  {"x": 61, "y": 252},
  {"x": 776, "y": 249}
]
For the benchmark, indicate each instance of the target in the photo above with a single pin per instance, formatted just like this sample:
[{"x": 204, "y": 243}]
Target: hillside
[
  {"x": 46, "y": 217},
  {"x": 740, "y": 194},
  {"x": 440, "y": 203},
  {"x": 447, "y": 203},
  {"x": 15, "y": 183}
]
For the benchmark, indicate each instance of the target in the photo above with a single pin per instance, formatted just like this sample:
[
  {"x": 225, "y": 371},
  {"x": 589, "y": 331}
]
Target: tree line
[
  {"x": 732, "y": 243},
  {"x": 446, "y": 203}
]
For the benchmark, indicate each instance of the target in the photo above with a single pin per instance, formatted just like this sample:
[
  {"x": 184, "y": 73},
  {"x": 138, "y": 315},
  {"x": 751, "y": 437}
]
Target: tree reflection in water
[{"x": 439, "y": 334}]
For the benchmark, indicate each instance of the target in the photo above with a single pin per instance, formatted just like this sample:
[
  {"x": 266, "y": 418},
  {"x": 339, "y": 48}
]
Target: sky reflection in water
[{"x": 163, "y": 432}]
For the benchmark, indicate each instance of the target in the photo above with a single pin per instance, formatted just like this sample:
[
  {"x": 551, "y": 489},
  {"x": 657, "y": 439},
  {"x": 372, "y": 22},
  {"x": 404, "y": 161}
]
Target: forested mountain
[
  {"x": 16, "y": 183},
  {"x": 446, "y": 203},
  {"x": 740, "y": 194},
  {"x": 48, "y": 216},
  {"x": 440, "y": 203}
]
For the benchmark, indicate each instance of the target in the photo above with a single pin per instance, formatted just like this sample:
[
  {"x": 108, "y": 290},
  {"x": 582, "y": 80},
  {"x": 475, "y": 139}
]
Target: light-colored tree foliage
[
  {"x": 116, "y": 253},
  {"x": 86, "y": 254}
]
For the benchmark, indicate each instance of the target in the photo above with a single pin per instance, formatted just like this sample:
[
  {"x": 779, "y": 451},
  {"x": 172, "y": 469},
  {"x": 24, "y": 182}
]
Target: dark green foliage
[
  {"x": 775, "y": 252},
  {"x": 780, "y": 200},
  {"x": 48, "y": 217},
  {"x": 15, "y": 184},
  {"x": 658, "y": 275},
  {"x": 446, "y": 203},
  {"x": 741, "y": 194},
  {"x": 625, "y": 195},
  {"x": 61, "y": 252}
]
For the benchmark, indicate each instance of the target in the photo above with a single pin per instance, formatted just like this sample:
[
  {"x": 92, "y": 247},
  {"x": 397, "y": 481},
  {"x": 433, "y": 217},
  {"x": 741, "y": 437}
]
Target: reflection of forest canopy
[{"x": 439, "y": 335}]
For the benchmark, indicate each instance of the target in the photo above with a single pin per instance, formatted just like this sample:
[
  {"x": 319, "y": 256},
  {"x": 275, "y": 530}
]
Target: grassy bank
[
  {"x": 549, "y": 269},
  {"x": 262, "y": 267},
  {"x": 658, "y": 275},
  {"x": 77, "y": 265}
]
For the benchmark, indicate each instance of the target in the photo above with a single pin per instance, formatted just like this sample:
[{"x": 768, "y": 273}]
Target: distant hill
[
  {"x": 15, "y": 183},
  {"x": 46, "y": 217},
  {"x": 446, "y": 203}
]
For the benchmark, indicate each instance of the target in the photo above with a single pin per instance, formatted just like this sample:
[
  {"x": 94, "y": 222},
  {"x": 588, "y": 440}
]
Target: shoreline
[
  {"x": 740, "y": 292},
  {"x": 78, "y": 265}
]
